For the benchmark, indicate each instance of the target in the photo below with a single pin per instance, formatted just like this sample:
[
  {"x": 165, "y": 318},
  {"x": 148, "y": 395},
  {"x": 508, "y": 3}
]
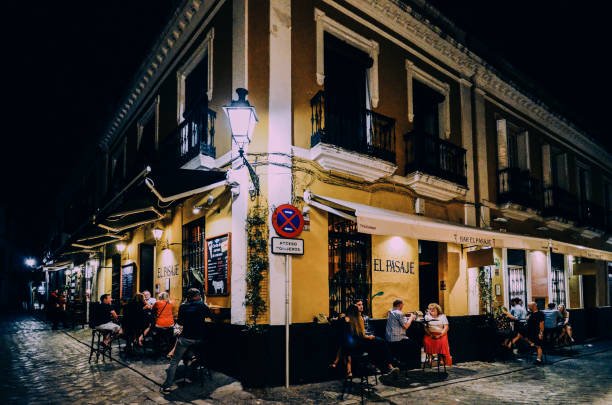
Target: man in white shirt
[{"x": 401, "y": 345}]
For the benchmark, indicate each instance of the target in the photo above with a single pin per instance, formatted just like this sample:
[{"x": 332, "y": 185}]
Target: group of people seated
[
  {"x": 397, "y": 348},
  {"x": 140, "y": 315},
  {"x": 535, "y": 327}
]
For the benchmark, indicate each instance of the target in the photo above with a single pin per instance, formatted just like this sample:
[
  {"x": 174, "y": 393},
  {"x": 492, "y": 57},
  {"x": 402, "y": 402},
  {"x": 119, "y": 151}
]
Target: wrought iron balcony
[
  {"x": 560, "y": 203},
  {"x": 516, "y": 186},
  {"x": 194, "y": 136},
  {"x": 592, "y": 215},
  {"x": 436, "y": 157},
  {"x": 364, "y": 131}
]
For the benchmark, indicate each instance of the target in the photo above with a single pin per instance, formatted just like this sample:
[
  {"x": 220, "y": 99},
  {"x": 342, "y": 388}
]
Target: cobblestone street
[{"x": 45, "y": 366}]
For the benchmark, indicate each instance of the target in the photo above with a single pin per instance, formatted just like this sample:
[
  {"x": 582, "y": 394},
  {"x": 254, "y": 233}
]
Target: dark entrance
[
  {"x": 147, "y": 253},
  {"x": 428, "y": 273},
  {"x": 349, "y": 265},
  {"x": 116, "y": 279}
]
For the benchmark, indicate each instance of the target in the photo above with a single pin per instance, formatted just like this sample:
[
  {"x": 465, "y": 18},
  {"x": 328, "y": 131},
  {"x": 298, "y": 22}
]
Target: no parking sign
[{"x": 288, "y": 221}]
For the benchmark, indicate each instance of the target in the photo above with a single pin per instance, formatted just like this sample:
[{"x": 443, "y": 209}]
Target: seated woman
[
  {"x": 164, "y": 318},
  {"x": 136, "y": 321},
  {"x": 504, "y": 327},
  {"x": 356, "y": 341},
  {"x": 435, "y": 340},
  {"x": 566, "y": 329}
]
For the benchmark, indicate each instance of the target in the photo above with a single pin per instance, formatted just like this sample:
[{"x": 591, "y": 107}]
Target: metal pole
[{"x": 287, "y": 309}]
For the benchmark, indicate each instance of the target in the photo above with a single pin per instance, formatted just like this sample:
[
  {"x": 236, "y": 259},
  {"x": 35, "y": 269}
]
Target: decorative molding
[
  {"x": 331, "y": 157},
  {"x": 558, "y": 224},
  {"x": 518, "y": 212},
  {"x": 152, "y": 112},
  {"x": 412, "y": 73},
  {"x": 326, "y": 24},
  {"x": 421, "y": 32},
  {"x": 205, "y": 50},
  {"x": 205, "y": 162},
  {"x": 434, "y": 187},
  {"x": 591, "y": 233}
]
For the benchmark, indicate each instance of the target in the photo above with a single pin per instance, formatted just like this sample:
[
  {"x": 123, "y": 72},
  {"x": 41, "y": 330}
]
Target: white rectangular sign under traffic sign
[{"x": 287, "y": 246}]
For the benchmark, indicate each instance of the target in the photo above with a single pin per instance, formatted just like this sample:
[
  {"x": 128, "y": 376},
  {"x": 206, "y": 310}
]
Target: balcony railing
[
  {"x": 195, "y": 135},
  {"x": 560, "y": 203},
  {"x": 362, "y": 131},
  {"x": 592, "y": 215},
  {"x": 518, "y": 187},
  {"x": 436, "y": 157}
]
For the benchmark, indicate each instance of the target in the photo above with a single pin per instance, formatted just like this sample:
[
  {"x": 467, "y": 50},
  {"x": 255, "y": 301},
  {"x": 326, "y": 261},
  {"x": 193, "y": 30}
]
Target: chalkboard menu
[
  {"x": 218, "y": 265},
  {"x": 127, "y": 281}
]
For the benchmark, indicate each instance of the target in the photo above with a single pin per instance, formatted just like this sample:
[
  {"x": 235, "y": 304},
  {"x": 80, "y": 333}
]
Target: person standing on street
[
  {"x": 535, "y": 329},
  {"x": 191, "y": 317}
]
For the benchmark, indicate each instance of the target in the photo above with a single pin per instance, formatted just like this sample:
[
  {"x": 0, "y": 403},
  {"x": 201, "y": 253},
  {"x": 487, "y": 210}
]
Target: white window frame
[
  {"x": 152, "y": 112},
  {"x": 205, "y": 49},
  {"x": 325, "y": 24},
  {"x": 502, "y": 143},
  {"x": 414, "y": 73}
]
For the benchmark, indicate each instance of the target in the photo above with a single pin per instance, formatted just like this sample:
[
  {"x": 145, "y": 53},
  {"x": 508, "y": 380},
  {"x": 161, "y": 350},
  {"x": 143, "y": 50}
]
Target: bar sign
[{"x": 287, "y": 246}]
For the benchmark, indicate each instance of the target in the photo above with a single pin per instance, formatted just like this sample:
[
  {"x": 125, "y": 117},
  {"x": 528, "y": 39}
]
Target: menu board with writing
[
  {"x": 127, "y": 281},
  {"x": 218, "y": 265}
]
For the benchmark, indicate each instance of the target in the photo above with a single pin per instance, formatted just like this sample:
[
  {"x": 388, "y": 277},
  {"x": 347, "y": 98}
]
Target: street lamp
[
  {"x": 242, "y": 119},
  {"x": 30, "y": 262},
  {"x": 157, "y": 233}
]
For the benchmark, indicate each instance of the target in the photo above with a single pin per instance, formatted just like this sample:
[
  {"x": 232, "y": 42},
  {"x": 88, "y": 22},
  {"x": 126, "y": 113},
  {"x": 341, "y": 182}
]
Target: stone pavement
[{"x": 44, "y": 366}]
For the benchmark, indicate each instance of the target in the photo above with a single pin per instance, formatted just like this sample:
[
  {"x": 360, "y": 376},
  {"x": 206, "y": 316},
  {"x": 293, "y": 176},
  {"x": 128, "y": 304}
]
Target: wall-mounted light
[
  {"x": 120, "y": 247},
  {"x": 196, "y": 209},
  {"x": 30, "y": 262},
  {"x": 157, "y": 233}
]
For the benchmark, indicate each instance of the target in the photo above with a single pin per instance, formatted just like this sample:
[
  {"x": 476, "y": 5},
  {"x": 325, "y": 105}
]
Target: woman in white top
[{"x": 435, "y": 340}]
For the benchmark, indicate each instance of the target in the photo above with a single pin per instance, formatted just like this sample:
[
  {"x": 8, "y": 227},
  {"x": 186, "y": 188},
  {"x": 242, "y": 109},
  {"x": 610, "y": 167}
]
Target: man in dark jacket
[{"x": 191, "y": 318}]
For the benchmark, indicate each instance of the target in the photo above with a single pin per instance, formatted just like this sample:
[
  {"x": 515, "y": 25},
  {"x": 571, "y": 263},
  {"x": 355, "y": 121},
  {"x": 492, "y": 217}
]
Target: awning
[
  {"x": 580, "y": 251},
  {"x": 181, "y": 183},
  {"x": 91, "y": 236},
  {"x": 378, "y": 221}
]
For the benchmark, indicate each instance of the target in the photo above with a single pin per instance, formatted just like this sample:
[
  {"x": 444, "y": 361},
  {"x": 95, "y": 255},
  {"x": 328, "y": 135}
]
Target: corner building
[{"x": 422, "y": 173}]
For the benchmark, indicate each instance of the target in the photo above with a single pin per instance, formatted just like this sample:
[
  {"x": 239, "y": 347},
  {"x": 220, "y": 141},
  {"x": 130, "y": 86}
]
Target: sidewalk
[{"x": 228, "y": 390}]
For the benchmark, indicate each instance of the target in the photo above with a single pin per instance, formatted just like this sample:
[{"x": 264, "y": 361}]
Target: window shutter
[
  {"x": 523, "y": 150},
  {"x": 502, "y": 145},
  {"x": 546, "y": 166}
]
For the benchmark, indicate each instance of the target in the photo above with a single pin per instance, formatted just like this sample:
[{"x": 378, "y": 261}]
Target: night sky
[{"x": 69, "y": 62}]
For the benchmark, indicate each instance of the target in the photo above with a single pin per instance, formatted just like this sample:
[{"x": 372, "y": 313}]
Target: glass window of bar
[
  {"x": 558, "y": 279},
  {"x": 193, "y": 255}
]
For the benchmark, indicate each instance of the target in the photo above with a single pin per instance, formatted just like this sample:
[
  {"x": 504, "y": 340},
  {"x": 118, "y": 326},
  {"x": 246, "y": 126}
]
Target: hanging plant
[
  {"x": 486, "y": 295},
  {"x": 257, "y": 263}
]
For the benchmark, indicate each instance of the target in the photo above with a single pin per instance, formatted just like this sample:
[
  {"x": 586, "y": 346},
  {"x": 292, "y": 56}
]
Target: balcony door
[
  {"x": 196, "y": 87},
  {"x": 345, "y": 94},
  {"x": 427, "y": 108}
]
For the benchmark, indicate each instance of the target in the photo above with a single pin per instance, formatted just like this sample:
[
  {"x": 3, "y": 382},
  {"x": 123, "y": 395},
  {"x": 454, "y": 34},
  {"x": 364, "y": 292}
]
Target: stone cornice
[
  {"x": 400, "y": 18},
  {"x": 178, "y": 30}
]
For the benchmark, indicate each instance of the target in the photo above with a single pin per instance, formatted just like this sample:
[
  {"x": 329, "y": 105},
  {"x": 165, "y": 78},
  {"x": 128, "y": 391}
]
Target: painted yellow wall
[
  {"x": 539, "y": 274},
  {"x": 497, "y": 276},
  {"x": 456, "y": 293},
  {"x": 395, "y": 272},
  {"x": 574, "y": 292},
  {"x": 310, "y": 277}
]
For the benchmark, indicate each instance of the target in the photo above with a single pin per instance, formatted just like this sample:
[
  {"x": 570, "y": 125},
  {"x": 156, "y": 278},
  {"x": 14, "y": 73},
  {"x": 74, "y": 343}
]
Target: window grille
[
  {"x": 517, "y": 285},
  {"x": 350, "y": 276},
  {"x": 558, "y": 286},
  {"x": 193, "y": 255}
]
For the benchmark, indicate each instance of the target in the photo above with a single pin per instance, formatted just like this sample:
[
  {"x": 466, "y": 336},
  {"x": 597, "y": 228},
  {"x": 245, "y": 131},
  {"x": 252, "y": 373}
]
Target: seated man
[
  {"x": 401, "y": 345},
  {"x": 552, "y": 317},
  {"x": 103, "y": 318}
]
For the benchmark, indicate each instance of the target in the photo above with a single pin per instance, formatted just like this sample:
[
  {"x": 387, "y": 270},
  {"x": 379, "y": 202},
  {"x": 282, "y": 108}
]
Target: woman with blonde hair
[{"x": 435, "y": 340}]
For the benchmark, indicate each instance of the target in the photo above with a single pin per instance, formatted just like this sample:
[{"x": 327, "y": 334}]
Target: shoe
[
  {"x": 192, "y": 360},
  {"x": 538, "y": 362},
  {"x": 167, "y": 390}
]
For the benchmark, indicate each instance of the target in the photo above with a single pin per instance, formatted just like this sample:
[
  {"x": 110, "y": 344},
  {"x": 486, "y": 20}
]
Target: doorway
[
  {"x": 428, "y": 273},
  {"x": 147, "y": 263}
]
